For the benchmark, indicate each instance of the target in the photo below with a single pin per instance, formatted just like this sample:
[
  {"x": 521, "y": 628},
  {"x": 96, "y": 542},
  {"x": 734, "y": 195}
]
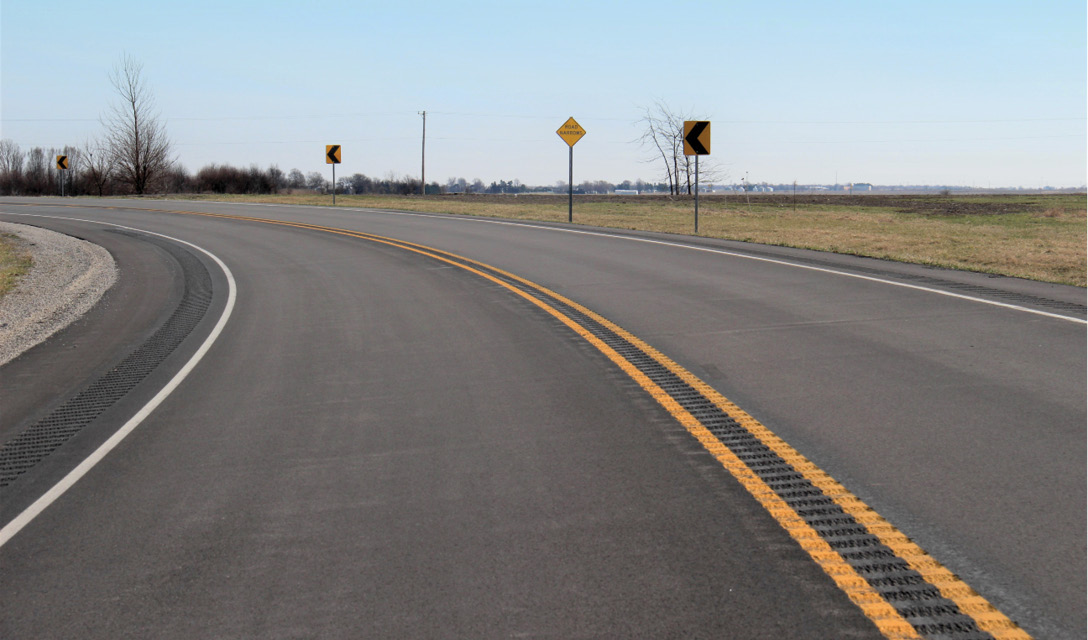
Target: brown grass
[
  {"x": 1040, "y": 237},
  {"x": 14, "y": 262}
]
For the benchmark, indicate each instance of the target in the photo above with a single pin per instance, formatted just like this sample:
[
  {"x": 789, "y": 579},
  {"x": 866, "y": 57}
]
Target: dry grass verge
[
  {"x": 14, "y": 262},
  {"x": 1040, "y": 237}
]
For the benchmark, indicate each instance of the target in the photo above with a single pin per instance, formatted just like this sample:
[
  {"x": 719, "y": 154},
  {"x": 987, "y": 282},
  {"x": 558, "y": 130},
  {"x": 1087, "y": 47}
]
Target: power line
[
  {"x": 226, "y": 118},
  {"x": 908, "y": 140},
  {"x": 325, "y": 116},
  {"x": 862, "y": 122}
]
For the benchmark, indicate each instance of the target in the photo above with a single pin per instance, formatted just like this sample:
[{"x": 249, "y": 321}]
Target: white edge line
[
  {"x": 50, "y": 496},
  {"x": 681, "y": 245}
]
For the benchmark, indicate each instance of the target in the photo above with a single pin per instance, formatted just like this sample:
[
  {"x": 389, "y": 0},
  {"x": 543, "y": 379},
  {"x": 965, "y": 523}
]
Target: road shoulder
[{"x": 68, "y": 277}]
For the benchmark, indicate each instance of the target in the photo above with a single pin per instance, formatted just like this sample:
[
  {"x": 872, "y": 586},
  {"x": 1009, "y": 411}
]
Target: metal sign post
[
  {"x": 570, "y": 187},
  {"x": 62, "y": 166},
  {"x": 696, "y": 143},
  {"x": 571, "y": 132},
  {"x": 332, "y": 156}
]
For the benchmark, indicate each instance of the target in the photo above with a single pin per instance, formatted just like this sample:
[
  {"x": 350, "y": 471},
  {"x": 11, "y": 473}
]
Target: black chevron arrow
[
  {"x": 693, "y": 138},
  {"x": 332, "y": 154}
]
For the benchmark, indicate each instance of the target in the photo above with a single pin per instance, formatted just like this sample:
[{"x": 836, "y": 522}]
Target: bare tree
[
  {"x": 36, "y": 173},
  {"x": 11, "y": 167},
  {"x": 664, "y": 136},
  {"x": 295, "y": 180},
  {"x": 98, "y": 166},
  {"x": 277, "y": 177},
  {"x": 177, "y": 179},
  {"x": 659, "y": 136},
  {"x": 136, "y": 137},
  {"x": 315, "y": 181}
]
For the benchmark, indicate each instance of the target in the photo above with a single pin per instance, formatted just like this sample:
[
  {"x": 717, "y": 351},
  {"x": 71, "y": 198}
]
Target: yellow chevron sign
[{"x": 696, "y": 138}]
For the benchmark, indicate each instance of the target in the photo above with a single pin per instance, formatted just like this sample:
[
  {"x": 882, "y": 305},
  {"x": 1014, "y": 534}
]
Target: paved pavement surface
[{"x": 384, "y": 445}]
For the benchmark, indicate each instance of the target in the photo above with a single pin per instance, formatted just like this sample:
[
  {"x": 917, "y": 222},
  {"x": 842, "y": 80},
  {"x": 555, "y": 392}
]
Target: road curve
[{"x": 385, "y": 443}]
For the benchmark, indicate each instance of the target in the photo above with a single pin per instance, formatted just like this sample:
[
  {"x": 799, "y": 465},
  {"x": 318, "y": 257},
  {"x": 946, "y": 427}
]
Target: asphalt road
[{"x": 381, "y": 444}]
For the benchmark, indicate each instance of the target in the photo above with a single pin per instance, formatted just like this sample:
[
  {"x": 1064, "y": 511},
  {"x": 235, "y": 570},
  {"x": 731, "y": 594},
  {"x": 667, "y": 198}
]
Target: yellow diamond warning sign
[{"x": 571, "y": 132}]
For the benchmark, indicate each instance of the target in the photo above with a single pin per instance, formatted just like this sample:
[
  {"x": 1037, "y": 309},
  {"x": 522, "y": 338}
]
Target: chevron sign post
[
  {"x": 696, "y": 143},
  {"x": 332, "y": 156},
  {"x": 571, "y": 132},
  {"x": 62, "y": 165}
]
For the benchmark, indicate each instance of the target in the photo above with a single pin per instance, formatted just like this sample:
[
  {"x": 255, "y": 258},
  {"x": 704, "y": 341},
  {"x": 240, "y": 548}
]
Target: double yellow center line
[{"x": 883, "y": 613}]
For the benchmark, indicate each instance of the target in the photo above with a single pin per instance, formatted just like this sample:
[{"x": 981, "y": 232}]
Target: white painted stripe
[
  {"x": 735, "y": 254},
  {"x": 680, "y": 245},
  {"x": 50, "y": 496}
]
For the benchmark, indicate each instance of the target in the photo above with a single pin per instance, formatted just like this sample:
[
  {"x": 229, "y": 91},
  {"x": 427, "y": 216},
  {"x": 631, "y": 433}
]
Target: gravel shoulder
[{"x": 66, "y": 280}]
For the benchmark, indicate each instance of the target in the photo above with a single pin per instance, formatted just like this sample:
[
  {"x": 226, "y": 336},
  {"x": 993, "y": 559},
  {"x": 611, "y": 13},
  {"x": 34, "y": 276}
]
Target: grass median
[{"x": 1040, "y": 237}]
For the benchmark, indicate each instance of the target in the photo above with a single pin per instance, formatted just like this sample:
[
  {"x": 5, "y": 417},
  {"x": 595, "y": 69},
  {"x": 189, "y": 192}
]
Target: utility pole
[{"x": 423, "y": 162}]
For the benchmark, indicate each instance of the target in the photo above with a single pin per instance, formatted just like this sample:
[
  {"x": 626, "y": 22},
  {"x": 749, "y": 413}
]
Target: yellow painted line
[
  {"x": 883, "y": 614},
  {"x": 986, "y": 616}
]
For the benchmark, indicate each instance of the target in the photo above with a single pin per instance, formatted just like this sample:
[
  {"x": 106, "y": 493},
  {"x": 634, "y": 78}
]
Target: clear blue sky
[{"x": 953, "y": 92}]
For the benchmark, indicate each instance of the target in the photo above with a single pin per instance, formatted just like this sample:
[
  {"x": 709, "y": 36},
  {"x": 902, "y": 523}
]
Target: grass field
[
  {"x": 14, "y": 262},
  {"x": 1041, "y": 237}
]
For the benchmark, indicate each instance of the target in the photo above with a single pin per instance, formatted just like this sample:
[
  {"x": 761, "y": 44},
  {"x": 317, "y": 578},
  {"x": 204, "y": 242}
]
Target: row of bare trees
[
  {"x": 92, "y": 170},
  {"x": 32, "y": 172},
  {"x": 133, "y": 154}
]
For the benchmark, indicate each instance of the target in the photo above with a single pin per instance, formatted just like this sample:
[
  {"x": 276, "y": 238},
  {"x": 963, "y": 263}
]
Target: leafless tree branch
[
  {"x": 663, "y": 134},
  {"x": 138, "y": 144}
]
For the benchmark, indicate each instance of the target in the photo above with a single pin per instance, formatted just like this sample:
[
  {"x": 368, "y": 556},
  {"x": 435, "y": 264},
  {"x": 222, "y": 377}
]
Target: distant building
[{"x": 861, "y": 186}]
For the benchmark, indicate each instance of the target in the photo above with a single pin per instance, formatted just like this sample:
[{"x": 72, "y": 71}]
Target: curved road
[{"x": 381, "y": 443}]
